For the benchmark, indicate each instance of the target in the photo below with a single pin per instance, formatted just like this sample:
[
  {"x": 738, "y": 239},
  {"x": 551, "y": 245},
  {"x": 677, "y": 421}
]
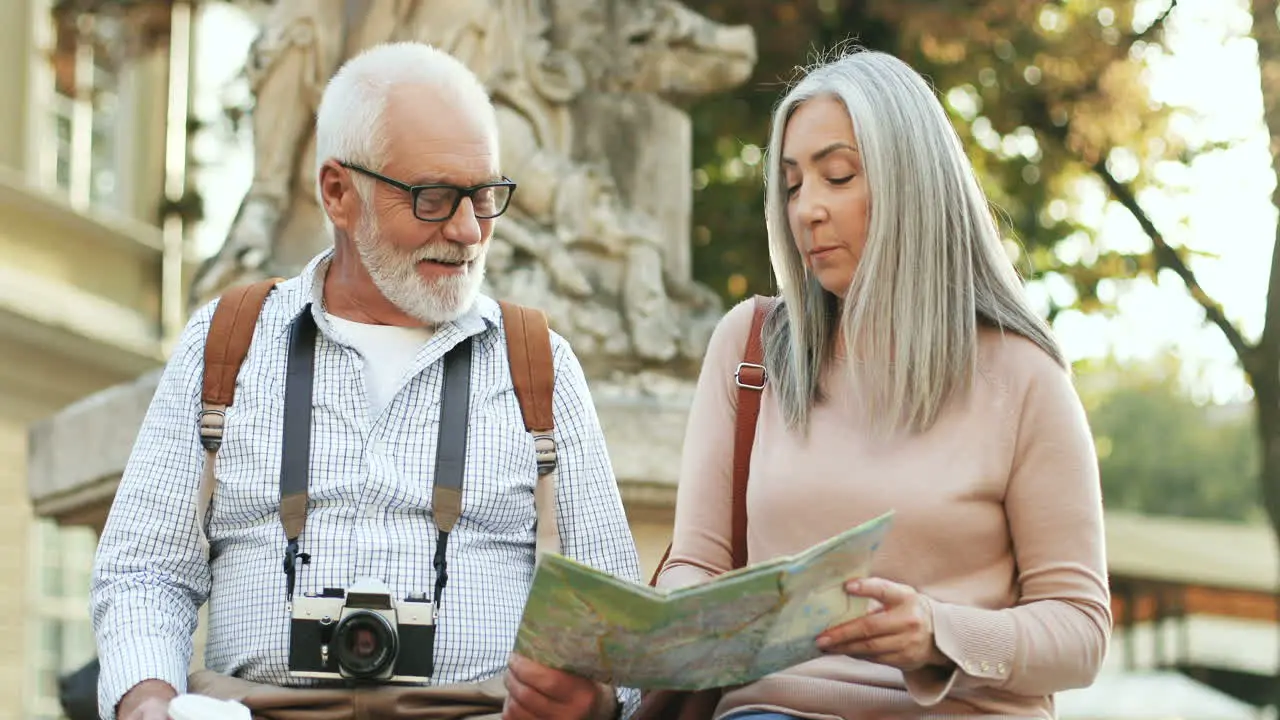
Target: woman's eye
[
  {"x": 840, "y": 180},
  {"x": 792, "y": 190}
]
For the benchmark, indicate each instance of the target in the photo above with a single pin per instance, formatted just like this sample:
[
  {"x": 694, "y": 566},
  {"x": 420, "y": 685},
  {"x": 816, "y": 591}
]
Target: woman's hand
[{"x": 896, "y": 631}]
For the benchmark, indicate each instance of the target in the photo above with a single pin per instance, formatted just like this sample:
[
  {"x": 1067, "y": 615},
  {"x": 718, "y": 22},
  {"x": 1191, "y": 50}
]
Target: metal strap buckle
[
  {"x": 545, "y": 451},
  {"x": 211, "y": 423},
  {"x": 749, "y": 382}
]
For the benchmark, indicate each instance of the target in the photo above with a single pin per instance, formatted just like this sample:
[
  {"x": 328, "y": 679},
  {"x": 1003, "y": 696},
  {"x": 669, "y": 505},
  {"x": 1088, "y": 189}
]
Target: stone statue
[{"x": 598, "y": 232}]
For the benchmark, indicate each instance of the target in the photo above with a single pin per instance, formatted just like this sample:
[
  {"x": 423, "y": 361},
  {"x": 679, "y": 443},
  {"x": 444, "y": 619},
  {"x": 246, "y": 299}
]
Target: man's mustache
[{"x": 448, "y": 253}]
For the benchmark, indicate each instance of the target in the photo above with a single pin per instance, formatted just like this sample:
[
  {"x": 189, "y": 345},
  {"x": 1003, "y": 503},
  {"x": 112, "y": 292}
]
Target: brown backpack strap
[
  {"x": 533, "y": 375},
  {"x": 750, "y": 378},
  {"x": 225, "y": 347}
]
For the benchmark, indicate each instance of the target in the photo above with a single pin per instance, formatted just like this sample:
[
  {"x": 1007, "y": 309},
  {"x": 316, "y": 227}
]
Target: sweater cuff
[
  {"x": 929, "y": 685},
  {"x": 982, "y": 643}
]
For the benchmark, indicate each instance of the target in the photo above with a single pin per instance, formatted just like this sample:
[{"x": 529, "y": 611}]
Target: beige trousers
[{"x": 463, "y": 701}]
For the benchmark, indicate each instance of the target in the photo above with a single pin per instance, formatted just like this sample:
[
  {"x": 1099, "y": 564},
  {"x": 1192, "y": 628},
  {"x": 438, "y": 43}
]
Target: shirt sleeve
[
  {"x": 150, "y": 573},
  {"x": 1055, "y": 638},
  {"x": 593, "y": 523}
]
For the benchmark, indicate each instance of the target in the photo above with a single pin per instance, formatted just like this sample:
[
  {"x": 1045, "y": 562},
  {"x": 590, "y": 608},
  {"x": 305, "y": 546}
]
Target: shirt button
[{"x": 370, "y": 511}]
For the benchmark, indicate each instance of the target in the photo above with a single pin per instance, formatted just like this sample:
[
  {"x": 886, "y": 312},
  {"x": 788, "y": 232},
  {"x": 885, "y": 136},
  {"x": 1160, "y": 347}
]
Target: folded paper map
[{"x": 731, "y": 630}]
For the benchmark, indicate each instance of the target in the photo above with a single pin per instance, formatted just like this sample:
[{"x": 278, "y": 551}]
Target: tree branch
[
  {"x": 1167, "y": 257},
  {"x": 1155, "y": 25},
  {"x": 1266, "y": 32}
]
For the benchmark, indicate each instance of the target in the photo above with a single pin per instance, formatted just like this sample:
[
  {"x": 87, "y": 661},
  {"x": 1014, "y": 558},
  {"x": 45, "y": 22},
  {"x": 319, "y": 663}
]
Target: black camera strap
[
  {"x": 295, "y": 453},
  {"x": 451, "y": 454},
  {"x": 451, "y": 448}
]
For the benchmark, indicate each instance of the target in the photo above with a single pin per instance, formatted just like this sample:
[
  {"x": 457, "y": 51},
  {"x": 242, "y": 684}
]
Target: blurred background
[{"x": 1131, "y": 148}]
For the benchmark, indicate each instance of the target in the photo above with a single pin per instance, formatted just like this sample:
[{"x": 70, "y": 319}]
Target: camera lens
[{"x": 365, "y": 645}]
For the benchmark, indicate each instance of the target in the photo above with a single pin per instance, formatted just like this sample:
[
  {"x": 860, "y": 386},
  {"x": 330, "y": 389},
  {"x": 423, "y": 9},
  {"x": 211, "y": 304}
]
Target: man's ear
[{"x": 338, "y": 195}]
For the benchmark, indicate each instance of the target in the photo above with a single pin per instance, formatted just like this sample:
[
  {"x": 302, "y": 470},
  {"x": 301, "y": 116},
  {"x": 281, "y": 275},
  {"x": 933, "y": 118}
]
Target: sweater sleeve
[
  {"x": 701, "y": 545},
  {"x": 1056, "y": 636}
]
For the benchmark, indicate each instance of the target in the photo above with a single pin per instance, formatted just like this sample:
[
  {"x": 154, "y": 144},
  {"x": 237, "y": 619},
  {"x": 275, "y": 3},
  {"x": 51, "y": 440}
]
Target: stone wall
[{"x": 15, "y": 529}]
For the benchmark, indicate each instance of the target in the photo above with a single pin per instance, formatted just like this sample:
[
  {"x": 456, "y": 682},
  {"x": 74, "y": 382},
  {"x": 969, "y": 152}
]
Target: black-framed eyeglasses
[{"x": 437, "y": 202}]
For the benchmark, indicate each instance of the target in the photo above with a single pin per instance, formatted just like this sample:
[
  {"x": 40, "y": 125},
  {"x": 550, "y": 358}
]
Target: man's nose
[{"x": 463, "y": 228}]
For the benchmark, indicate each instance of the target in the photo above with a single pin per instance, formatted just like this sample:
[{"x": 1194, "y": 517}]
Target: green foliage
[
  {"x": 1037, "y": 93},
  {"x": 1161, "y": 453}
]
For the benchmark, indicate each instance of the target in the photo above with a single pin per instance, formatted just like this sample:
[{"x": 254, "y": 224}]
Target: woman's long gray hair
[{"x": 934, "y": 266}]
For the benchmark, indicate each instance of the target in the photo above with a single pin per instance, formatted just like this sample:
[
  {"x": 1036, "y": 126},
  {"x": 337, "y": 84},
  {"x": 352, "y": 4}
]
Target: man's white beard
[{"x": 395, "y": 273}]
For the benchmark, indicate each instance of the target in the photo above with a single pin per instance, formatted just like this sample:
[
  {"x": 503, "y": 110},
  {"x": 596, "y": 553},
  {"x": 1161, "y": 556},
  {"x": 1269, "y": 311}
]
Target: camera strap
[
  {"x": 451, "y": 455},
  {"x": 295, "y": 456},
  {"x": 295, "y": 453}
]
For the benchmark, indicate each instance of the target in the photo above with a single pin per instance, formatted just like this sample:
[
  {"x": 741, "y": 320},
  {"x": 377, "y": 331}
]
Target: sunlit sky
[{"x": 1220, "y": 206}]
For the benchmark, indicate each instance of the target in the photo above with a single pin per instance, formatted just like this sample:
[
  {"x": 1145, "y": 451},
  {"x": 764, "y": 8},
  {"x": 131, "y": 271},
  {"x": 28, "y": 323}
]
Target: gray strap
[
  {"x": 295, "y": 454},
  {"x": 451, "y": 455},
  {"x": 451, "y": 448}
]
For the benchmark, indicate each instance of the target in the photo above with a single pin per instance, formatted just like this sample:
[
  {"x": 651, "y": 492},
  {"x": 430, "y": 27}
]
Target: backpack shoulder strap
[
  {"x": 750, "y": 378},
  {"x": 225, "y": 347},
  {"x": 528, "y": 337}
]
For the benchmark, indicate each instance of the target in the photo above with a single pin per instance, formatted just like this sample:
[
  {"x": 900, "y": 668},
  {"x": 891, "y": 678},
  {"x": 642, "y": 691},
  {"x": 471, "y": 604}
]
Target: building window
[
  {"x": 82, "y": 157},
  {"x": 62, "y": 638}
]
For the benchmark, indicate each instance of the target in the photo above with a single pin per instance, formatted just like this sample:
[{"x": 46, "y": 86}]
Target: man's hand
[
  {"x": 898, "y": 631},
  {"x": 537, "y": 692},
  {"x": 148, "y": 700}
]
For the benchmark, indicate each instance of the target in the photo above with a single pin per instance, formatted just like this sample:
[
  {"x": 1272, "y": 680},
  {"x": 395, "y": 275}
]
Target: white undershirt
[{"x": 388, "y": 351}]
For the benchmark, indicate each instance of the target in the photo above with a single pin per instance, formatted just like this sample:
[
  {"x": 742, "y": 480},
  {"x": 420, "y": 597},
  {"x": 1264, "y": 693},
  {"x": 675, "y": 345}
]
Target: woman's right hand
[{"x": 896, "y": 631}]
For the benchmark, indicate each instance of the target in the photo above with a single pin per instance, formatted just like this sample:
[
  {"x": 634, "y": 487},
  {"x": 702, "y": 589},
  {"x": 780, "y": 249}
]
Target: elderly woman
[{"x": 906, "y": 372}]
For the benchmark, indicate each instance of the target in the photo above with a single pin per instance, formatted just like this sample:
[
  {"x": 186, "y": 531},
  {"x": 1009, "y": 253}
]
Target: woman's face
[{"x": 828, "y": 199}]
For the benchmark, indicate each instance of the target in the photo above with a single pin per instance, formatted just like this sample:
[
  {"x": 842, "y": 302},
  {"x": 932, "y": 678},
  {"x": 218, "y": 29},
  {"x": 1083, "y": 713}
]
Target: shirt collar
[{"x": 308, "y": 287}]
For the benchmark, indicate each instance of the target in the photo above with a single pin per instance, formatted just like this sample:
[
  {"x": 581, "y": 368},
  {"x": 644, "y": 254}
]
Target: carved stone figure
[{"x": 598, "y": 234}]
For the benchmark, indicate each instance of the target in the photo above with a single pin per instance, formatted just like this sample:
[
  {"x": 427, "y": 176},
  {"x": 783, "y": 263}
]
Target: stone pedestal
[{"x": 78, "y": 455}]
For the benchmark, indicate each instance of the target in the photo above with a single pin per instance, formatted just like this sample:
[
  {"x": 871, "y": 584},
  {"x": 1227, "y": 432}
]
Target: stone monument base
[{"x": 78, "y": 455}]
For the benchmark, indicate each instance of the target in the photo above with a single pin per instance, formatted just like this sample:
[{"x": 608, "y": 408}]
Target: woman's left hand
[{"x": 896, "y": 631}]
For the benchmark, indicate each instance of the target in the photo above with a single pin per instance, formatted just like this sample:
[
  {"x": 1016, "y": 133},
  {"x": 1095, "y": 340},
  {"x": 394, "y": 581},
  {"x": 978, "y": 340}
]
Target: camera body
[{"x": 362, "y": 634}]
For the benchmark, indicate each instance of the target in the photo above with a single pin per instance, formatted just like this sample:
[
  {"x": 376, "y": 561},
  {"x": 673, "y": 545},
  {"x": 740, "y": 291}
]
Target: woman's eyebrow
[{"x": 818, "y": 155}]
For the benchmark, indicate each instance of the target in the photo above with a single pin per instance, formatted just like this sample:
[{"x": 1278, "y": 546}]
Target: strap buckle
[
  {"x": 291, "y": 560},
  {"x": 751, "y": 376},
  {"x": 212, "y": 420},
  {"x": 544, "y": 448}
]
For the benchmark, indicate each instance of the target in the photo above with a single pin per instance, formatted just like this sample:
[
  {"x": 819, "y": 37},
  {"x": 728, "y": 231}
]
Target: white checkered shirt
[{"x": 369, "y": 511}]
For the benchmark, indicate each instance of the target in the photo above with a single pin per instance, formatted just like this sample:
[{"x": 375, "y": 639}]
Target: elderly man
[{"x": 407, "y": 173}]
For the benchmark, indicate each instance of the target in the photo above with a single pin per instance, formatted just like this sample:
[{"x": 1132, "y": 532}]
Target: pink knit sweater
[{"x": 998, "y": 521}]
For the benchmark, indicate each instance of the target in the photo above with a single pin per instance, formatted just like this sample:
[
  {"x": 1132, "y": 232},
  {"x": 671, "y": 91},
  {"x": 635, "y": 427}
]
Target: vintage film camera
[{"x": 362, "y": 634}]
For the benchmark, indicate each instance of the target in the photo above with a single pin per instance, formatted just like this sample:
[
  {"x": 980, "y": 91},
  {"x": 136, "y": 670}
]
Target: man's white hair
[{"x": 349, "y": 121}]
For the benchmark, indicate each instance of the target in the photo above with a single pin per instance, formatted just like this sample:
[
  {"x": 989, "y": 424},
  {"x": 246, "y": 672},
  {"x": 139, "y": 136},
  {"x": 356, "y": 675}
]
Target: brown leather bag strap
[
  {"x": 533, "y": 374},
  {"x": 230, "y": 334},
  {"x": 532, "y": 367},
  {"x": 225, "y": 347},
  {"x": 750, "y": 378}
]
